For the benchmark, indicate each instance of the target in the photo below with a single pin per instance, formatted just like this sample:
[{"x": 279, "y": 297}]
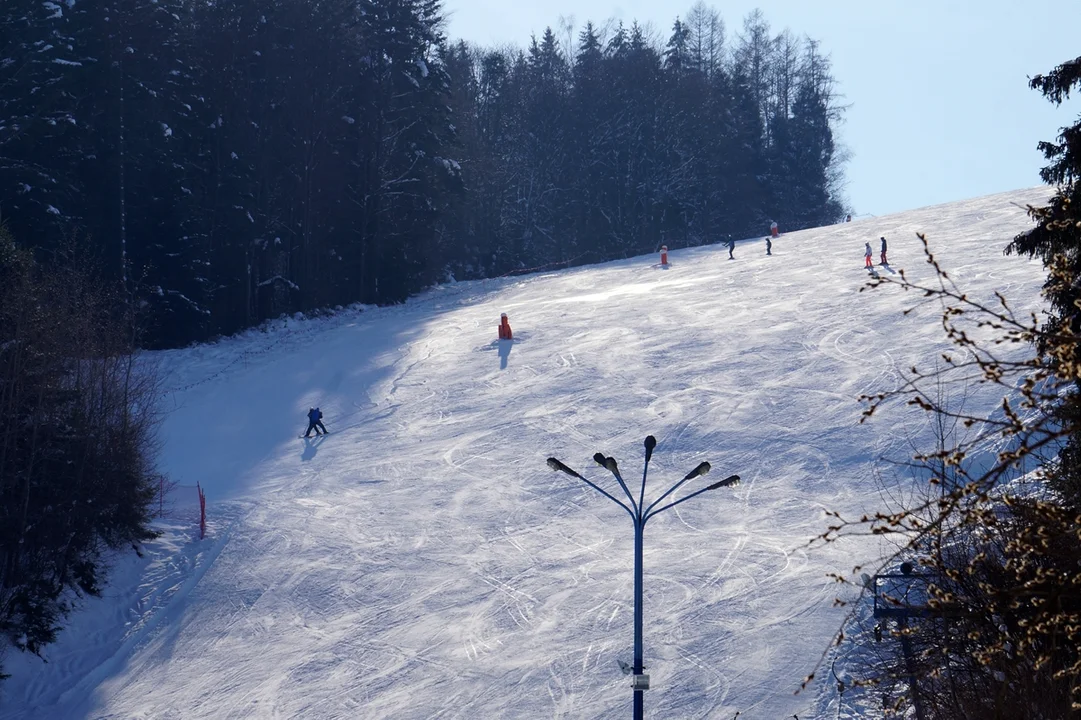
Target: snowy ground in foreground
[{"x": 422, "y": 562}]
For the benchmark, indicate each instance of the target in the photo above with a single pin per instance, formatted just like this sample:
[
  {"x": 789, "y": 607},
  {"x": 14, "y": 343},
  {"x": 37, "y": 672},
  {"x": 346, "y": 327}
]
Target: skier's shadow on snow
[
  {"x": 888, "y": 268},
  {"x": 311, "y": 446},
  {"x": 504, "y": 352}
]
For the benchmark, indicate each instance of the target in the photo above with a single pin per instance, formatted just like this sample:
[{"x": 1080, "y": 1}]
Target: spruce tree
[
  {"x": 1056, "y": 240},
  {"x": 811, "y": 196},
  {"x": 408, "y": 133},
  {"x": 590, "y": 135},
  {"x": 544, "y": 185},
  {"x": 641, "y": 100},
  {"x": 498, "y": 106},
  {"x": 40, "y": 122}
]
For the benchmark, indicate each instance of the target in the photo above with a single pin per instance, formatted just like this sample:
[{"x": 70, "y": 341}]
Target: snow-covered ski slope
[{"x": 421, "y": 561}]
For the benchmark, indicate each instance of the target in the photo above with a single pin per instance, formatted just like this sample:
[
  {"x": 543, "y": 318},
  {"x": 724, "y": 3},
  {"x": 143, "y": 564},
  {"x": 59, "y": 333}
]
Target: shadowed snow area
[{"x": 421, "y": 561}]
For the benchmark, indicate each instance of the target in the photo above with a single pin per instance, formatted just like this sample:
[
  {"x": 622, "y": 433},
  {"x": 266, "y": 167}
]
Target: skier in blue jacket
[{"x": 315, "y": 422}]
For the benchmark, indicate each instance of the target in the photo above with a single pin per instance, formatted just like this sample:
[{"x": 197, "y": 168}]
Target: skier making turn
[{"x": 315, "y": 422}]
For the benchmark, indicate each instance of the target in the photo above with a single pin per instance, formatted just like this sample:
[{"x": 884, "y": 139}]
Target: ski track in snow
[{"x": 422, "y": 562}]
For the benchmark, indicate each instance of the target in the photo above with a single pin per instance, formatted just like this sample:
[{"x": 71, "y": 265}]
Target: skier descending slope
[{"x": 315, "y": 422}]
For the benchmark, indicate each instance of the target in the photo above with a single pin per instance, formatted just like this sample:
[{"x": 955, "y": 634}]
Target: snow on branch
[
  {"x": 279, "y": 278},
  {"x": 194, "y": 305}
]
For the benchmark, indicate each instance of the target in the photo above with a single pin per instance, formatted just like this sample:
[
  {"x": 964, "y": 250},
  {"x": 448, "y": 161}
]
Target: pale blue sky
[{"x": 940, "y": 105}]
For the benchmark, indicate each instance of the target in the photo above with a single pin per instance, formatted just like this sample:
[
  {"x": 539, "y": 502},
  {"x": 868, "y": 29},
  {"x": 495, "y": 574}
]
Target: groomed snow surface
[{"x": 421, "y": 561}]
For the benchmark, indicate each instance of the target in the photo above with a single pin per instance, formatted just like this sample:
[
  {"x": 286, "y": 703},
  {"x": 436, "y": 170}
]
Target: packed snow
[{"x": 421, "y": 561}]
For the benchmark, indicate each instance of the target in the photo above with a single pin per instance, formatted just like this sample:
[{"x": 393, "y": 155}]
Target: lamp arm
[
  {"x": 627, "y": 490},
  {"x": 650, "y": 513},
  {"x": 668, "y": 492},
  {"x": 642, "y": 495},
  {"x": 607, "y": 495}
]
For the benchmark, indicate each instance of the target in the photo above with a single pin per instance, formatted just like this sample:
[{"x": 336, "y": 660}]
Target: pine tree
[
  {"x": 462, "y": 66},
  {"x": 544, "y": 182},
  {"x": 124, "y": 80},
  {"x": 407, "y": 132},
  {"x": 706, "y": 39},
  {"x": 753, "y": 58},
  {"x": 1056, "y": 240},
  {"x": 592, "y": 152},
  {"x": 230, "y": 153},
  {"x": 677, "y": 56},
  {"x": 39, "y": 119},
  {"x": 681, "y": 143},
  {"x": 744, "y": 158},
  {"x": 166, "y": 263},
  {"x": 498, "y": 111},
  {"x": 806, "y": 151},
  {"x": 636, "y": 85}
]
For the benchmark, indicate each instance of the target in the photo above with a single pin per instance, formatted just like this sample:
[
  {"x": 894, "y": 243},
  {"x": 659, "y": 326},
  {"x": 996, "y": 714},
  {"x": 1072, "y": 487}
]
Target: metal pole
[
  {"x": 640, "y": 515},
  {"x": 639, "y": 698},
  {"x": 910, "y": 667}
]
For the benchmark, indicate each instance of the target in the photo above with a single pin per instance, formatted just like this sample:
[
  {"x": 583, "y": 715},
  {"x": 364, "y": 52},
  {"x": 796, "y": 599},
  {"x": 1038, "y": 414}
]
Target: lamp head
[
  {"x": 556, "y": 465},
  {"x": 702, "y": 469},
  {"x": 727, "y": 482},
  {"x": 651, "y": 442}
]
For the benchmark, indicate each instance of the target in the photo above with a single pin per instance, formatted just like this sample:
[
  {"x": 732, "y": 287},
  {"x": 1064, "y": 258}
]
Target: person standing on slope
[
  {"x": 731, "y": 246},
  {"x": 882, "y": 255},
  {"x": 769, "y": 246},
  {"x": 867, "y": 256},
  {"x": 315, "y": 422}
]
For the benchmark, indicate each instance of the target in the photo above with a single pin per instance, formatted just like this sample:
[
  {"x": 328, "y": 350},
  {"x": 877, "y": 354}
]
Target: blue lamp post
[{"x": 640, "y": 515}]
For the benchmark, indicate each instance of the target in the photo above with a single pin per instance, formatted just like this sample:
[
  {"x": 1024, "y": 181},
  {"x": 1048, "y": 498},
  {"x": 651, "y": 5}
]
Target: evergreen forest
[{"x": 227, "y": 163}]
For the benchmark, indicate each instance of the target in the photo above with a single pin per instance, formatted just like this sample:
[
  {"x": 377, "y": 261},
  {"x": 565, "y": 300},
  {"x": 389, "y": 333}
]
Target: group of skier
[
  {"x": 867, "y": 252},
  {"x": 774, "y": 231},
  {"x": 315, "y": 422},
  {"x": 881, "y": 255},
  {"x": 315, "y": 415}
]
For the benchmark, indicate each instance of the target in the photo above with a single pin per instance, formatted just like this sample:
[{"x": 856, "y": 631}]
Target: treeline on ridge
[{"x": 230, "y": 162}]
